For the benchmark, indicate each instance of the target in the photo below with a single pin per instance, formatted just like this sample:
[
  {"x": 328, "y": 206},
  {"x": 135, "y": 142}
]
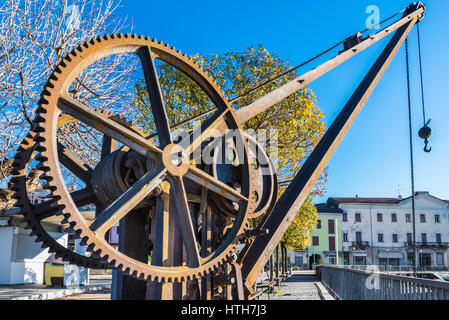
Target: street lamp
[
  {"x": 388, "y": 259},
  {"x": 420, "y": 261}
]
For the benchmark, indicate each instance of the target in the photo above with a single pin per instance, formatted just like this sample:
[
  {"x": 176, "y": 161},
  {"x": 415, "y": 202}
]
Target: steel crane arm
[
  {"x": 414, "y": 12},
  {"x": 256, "y": 254}
]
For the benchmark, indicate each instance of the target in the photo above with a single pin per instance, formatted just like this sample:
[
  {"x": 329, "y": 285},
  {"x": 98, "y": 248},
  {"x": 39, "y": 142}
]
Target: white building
[
  {"x": 379, "y": 230},
  {"x": 24, "y": 261}
]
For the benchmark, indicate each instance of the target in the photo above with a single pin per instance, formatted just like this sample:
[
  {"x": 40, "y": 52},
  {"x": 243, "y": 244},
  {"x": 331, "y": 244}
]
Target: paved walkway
[
  {"x": 302, "y": 285},
  {"x": 40, "y": 292}
]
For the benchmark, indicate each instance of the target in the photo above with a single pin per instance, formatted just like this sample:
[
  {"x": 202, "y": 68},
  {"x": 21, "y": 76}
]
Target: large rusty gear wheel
[
  {"x": 55, "y": 99},
  {"x": 34, "y": 215}
]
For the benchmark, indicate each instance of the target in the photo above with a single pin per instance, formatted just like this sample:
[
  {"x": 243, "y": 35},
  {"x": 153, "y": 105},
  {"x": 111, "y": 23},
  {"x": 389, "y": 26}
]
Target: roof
[
  {"x": 337, "y": 201},
  {"x": 327, "y": 208}
]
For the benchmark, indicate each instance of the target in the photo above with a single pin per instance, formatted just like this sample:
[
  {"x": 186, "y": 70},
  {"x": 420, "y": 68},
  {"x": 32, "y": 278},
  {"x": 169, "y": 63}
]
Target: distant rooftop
[
  {"x": 327, "y": 208},
  {"x": 332, "y": 204},
  {"x": 363, "y": 200}
]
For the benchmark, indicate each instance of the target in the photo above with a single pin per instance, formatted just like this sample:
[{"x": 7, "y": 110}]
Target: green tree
[{"x": 298, "y": 120}]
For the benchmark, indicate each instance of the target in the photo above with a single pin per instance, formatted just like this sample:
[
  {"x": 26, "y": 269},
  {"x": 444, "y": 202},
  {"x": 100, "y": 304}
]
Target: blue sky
[{"x": 373, "y": 159}]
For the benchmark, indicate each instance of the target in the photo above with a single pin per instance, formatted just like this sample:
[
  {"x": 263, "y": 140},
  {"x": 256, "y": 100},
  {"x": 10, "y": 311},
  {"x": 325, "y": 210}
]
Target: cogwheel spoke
[
  {"x": 185, "y": 220},
  {"x": 206, "y": 130},
  {"x": 74, "y": 164},
  {"x": 213, "y": 184},
  {"x": 50, "y": 208},
  {"x": 127, "y": 201},
  {"x": 107, "y": 126},
  {"x": 156, "y": 99}
]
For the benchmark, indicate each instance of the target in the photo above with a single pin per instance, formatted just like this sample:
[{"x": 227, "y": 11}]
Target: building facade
[
  {"x": 379, "y": 231},
  {"x": 326, "y": 243}
]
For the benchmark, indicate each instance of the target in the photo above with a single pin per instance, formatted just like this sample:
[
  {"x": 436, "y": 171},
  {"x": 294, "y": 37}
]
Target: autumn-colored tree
[{"x": 297, "y": 120}]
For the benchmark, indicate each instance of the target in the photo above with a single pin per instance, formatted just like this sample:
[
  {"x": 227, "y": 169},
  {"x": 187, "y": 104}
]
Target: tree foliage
[
  {"x": 297, "y": 235},
  {"x": 297, "y": 121}
]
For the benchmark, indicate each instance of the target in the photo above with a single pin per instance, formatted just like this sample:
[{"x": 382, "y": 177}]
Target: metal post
[
  {"x": 133, "y": 228},
  {"x": 336, "y": 240}
]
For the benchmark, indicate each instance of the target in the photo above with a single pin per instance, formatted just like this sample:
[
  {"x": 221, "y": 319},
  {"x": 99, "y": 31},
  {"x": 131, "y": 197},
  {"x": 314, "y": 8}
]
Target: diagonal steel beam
[{"x": 255, "y": 255}]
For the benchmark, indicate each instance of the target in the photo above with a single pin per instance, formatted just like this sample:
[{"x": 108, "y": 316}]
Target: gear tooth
[
  {"x": 39, "y": 138},
  {"x": 69, "y": 230},
  {"x": 46, "y": 177},
  {"x": 127, "y": 35},
  {"x": 49, "y": 187},
  {"x": 63, "y": 64},
  {"x": 120, "y": 35},
  {"x": 39, "y": 118},
  {"x": 105, "y": 37},
  {"x": 90, "y": 247},
  {"x": 38, "y": 238},
  {"x": 112, "y": 36},
  {"x": 83, "y": 241},
  {"x": 73, "y": 53},
  {"x": 58, "y": 255}
]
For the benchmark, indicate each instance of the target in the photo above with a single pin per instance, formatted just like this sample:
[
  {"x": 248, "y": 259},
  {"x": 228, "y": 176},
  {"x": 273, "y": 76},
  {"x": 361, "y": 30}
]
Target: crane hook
[
  {"x": 425, "y": 133},
  {"x": 426, "y": 148}
]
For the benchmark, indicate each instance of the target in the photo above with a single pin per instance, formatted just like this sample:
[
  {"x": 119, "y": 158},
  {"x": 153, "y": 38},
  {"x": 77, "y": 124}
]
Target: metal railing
[
  {"x": 360, "y": 244},
  {"x": 351, "y": 284},
  {"x": 428, "y": 244}
]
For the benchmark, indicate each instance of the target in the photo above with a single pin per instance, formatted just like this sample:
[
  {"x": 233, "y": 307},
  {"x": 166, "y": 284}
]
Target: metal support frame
[
  {"x": 132, "y": 229},
  {"x": 256, "y": 254}
]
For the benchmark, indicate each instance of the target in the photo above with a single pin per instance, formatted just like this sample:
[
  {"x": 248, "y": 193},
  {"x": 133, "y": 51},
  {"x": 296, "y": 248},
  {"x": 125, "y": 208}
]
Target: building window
[
  {"x": 409, "y": 238},
  {"x": 440, "y": 259},
  {"x": 423, "y": 237},
  {"x": 318, "y": 224},
  {"x": 380, "y": 238},
  {"x": 315, "y": 241},
  {"x": 331, "y": 243},
  {"x": 358, "y": 217},
  {"x": 395, "y": 238},
  {"x": 438, "y": 237},
  {"x": 422, "y": 218},
  {"x": 437, "y": 218},
  {"x": 345, "y": 217},
  {"x": 408, "y": 218},
  {"x": 345, "y": 237},
  {"x": 379, "y": 217},
  {"x": 394, "y": 217},
  {"x": 331, "y": 226},
  {"x": 358, "y": 237}
]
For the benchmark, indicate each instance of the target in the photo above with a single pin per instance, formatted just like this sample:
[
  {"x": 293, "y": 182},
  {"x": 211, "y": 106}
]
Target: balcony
[
  {"x": 359, "y": 245},
  {"x": 427, "y": 244}
]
